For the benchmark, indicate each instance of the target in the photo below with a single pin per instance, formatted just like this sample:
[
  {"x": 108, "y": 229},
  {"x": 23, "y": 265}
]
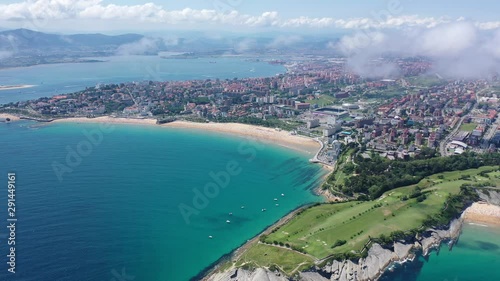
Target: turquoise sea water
[
  {"x": 116, "y": 214},
  {"x": 56, "y": 79},
  {"x": 118, "y": 209},
  {"x": 475, "y": 257}
]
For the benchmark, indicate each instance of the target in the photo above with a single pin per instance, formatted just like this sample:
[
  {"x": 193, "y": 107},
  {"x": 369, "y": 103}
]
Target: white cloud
[
  {"x": 488, "y": 25},
  {"x": 144, "y": 46},
  {"x": 459, "y": 49},
  {"x": 5, "y": 54},
  {"x": 245, "y": 45},
  {"x": 284, "y": 41},
  {"x": 147, "y": 46},
  {"x": 45, "y": 10},
  {"x": 448, "y": 40}
]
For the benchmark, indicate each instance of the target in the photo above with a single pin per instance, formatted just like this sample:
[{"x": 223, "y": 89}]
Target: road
[
  {"x": 449, "y": 137},
  {"x": 443, "y": 143}
]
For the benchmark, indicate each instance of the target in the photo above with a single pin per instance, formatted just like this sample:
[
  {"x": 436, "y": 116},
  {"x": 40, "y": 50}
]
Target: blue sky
[
  {"x": 244, "y": 15},
  {"x": 484, "y": 10}
]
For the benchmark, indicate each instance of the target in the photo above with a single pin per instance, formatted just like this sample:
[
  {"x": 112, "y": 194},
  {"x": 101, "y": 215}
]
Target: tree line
[{"x": 371, "y": 177}]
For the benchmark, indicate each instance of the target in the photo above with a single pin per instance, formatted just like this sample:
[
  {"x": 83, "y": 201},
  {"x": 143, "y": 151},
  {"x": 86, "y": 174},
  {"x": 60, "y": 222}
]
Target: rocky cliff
[
  {"x": 369, "y": 268},
  {"x": 238, "y": 274},
  {"x": 491, "y": 196},
  {"x": 378, "y": 259}
]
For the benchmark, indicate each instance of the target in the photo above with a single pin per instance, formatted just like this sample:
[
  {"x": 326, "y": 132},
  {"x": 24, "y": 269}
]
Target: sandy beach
[
  {"x": 483, "y": 213},
  {"x": 282, "y": 138},
  {"x": 107, "y": 119},
  {"x": 11, "y": 117},
  {"x": 15, "y": 87}
]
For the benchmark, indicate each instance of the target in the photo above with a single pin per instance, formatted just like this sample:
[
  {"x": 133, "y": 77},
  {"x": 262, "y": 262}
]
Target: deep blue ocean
[{"x": 119, "y": 206}]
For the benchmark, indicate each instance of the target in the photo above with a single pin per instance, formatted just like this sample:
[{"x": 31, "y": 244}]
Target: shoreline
[
  {"x": 483, "y": 213},
  {"x": 10, "y": 116},
  {"x": 211, "y": 271},
  {"x": 107, "y": 119},
  {"x": 278, "y": 137},
  {"x": 281, "y": 138},
  {"x": 479, "y": 212}
]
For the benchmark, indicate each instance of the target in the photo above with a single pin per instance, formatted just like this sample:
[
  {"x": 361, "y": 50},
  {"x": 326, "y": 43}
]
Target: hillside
[{"x": 23, "y": 40}]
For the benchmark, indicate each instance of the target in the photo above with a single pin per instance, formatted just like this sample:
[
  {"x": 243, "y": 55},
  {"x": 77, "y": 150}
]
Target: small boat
[
  {"x": 282, "y": 195},
  {"x": 210, "y": 237},
  {"x": 228, "y": 221},
  {"x": 230, "y": 214},
  {"x": 263, "y": 210},
  {"x": 277, "y": 205},
  {"x": 243, "y": 207}
]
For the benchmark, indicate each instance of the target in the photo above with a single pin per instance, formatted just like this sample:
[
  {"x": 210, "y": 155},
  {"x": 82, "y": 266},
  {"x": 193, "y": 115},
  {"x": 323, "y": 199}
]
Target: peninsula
[{"x": 359, "y": 240}]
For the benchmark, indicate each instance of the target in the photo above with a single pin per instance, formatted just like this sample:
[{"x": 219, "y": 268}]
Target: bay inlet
[{"x": 118, "y": 209}]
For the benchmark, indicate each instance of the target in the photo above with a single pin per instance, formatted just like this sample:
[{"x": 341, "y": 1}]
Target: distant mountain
[{"x": 22, "y": 40}]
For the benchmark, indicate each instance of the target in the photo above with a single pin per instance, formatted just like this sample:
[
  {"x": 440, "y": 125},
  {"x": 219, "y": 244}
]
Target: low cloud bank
[{"x": 460, "y": 50}]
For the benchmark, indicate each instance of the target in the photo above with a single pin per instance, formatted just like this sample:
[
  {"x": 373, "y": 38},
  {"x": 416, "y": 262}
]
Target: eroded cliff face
[
  {"x": 373, "y": 265},
  {"x": 489, "y": 195},
  {"x": 369, "y": 268},
  {"x": 238, "y": 274}
]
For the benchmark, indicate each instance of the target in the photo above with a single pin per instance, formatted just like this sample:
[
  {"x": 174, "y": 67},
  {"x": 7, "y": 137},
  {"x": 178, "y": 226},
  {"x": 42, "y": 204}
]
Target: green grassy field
[
  {"x": 317, "y": 229},
  {"x": 426, "y": 81},
  {"x": 266, "y": 255},
  {"x": 323, "y": 100},
  {"x": 468, "y": 127}
]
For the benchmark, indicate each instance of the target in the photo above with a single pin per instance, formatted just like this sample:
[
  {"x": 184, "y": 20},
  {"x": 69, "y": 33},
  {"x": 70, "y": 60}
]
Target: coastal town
[
  {"x": 231, "y": 140},
  {"x": 317, "y": 98}
]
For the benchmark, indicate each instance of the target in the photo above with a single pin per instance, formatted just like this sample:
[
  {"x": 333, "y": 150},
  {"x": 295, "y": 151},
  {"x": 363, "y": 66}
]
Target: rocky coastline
[
  {"x": 379, "y": 258},
  {"x": 369, "y": 268}
]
